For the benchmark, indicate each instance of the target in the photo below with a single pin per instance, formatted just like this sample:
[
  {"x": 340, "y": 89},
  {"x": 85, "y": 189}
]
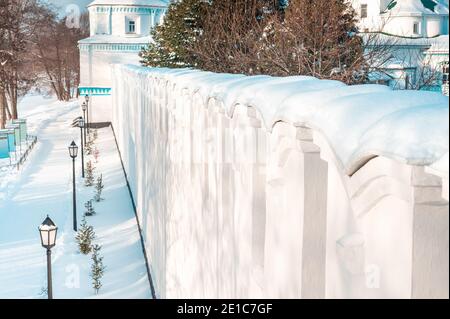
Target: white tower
[{"x": 119, "y": 29}]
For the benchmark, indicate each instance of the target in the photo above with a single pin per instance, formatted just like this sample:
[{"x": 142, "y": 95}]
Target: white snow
[
  {"x": 113, "y": 39},
  {"x": 146, "y": 3},
  {"x": 359, "y": 121},
  {"x": 415, "y": 7},
  {"x": 441, "y": 165},
  {"x": 44, "y": 186}
]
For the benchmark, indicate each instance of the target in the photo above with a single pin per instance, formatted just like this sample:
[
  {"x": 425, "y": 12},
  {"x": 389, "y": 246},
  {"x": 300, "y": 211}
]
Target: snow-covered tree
[
  {"x": 96, "y": 154},
  {"x": 97, "y": 268},
  {"x": 85, "y": 236},
  {"x": 89, "y": 146},
  {"x": 89, "y": 179},
  {"x": 99, "y": 189},
  {"x": 18, "y": 19},
  {"x": 93, "y": 135},
  {"x": 90, "y": 211},
  {"x": 173, "y": 40},
  {"x": 230, "y": 41},
  {"x": 315, "y": 38}
]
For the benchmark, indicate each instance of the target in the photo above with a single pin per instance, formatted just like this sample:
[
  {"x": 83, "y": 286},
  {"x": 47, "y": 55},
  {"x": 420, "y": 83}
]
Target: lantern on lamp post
[
  {"x": 73, "y": 152},
  {"x": 47, "y": 232}
]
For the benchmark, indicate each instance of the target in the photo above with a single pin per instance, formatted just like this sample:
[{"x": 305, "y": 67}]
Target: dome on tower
[{"x": 416, "y": 7}]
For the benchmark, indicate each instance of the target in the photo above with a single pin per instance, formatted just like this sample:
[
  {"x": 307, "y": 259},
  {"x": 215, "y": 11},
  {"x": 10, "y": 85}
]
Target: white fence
[{"x": 285, "y": 187}]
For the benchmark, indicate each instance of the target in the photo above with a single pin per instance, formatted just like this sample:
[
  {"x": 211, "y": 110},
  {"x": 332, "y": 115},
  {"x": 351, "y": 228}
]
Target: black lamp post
[
  {"x": 84, "y": 107},
  {"x": 48, "y": 231},
  {"x": 73, "y": 152},
  {"x": 81, "y": 124},
  {"x": 86, "y": 98}
]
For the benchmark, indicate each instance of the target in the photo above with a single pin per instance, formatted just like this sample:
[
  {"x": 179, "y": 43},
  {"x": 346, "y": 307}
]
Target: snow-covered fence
[{"x": 285, "y": 187}]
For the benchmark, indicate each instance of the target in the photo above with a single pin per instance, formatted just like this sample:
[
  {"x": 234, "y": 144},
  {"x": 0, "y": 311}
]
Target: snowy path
[{"x": 44, "y": 187}]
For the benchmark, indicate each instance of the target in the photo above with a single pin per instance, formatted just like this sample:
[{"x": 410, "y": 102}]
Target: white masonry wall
[{"x": 251, "y": 187}]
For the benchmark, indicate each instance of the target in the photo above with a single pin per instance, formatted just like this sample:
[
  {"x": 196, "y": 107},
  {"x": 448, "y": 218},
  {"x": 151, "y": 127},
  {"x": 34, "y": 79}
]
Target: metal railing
[{"x": 31, "y": 142}]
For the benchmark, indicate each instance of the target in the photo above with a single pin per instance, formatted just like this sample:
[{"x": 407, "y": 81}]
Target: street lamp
[
  {"x": 86, "y": 98},
  {"x": 79, "y": 122},
  {"x": 48, "y": 231},
  {"x": 84, "y": 107},
  {"x": 73, "y": 152}
]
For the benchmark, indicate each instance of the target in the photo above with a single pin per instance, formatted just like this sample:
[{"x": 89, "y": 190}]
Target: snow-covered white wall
[
  {"x": 95, "y": 62},
  {"x": 285, "y": 187}
]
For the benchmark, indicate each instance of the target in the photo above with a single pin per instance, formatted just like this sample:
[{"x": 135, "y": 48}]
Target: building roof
[
  {"x": 417, "y": 7},
  {"x": 439, "y": 45},
  {"x": 114, "y": 39},
  {"x": 141, "y": 3},
  {"x": 377, "y": 38}
]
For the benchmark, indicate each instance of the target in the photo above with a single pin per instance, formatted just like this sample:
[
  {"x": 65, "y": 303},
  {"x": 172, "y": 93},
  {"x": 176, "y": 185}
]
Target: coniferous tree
[
  {"x": 91, "y": 138},
  {"x": 97, "y": 268},
  {"x": 89, "y": 179},
  {"x": 90, "y": 211},
  {"x": 84, "y": 237},
  {"x": 99, "y": 189},
  {"x": 93, "y": 135},
  {"x": 173, "y": 40},
  {"x": 89, "y": 145},
  {"x": 96, "y": 154}
]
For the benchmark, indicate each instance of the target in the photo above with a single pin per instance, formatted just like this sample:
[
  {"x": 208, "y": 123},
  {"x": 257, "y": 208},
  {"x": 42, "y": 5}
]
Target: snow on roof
[
  {"x": 377, "y": 38},
  {"x": 112, "y": 39},
  {"x": 439, "y": 45},
  {"x": 359, "y": 122},
  {"x": 148, "y": 3},
  {"x": 416, "y": 7}
]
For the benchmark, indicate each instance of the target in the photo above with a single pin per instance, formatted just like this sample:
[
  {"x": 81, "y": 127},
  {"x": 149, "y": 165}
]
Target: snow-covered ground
[{"x": 44, "y": 186}]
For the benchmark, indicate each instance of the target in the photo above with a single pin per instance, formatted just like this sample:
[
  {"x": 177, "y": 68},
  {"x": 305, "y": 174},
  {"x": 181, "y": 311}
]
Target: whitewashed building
[
  {"x": 410, "y": 18},
  {"x": 118, "y": 31},
  {"x": 418, "y": 30}
]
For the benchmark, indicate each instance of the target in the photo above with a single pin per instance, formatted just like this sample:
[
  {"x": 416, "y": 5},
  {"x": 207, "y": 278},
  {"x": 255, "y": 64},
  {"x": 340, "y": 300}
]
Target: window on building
[
  {"x": 363, "y": 11},
  {"x": 131, "y": 26},
  {"x": 416, "y": 28}
]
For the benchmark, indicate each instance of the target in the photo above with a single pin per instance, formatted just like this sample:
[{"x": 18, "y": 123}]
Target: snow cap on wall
[{"x": 360, "y": 122}]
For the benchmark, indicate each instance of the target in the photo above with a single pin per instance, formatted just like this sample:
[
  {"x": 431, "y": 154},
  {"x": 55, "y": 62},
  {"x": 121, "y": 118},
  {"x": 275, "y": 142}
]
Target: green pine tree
[
  {"x": 92, "y": 137},
  {"x": 173, "y": 40},
  {"x": 85, "y": 236},
  {"x": 97, "y": 268},
  {"x": 99, "y": 189},
  {"x": 90, "y": 211},
  {"x": 89, "y": 179},
  {"x": 89, "y": 145}
]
